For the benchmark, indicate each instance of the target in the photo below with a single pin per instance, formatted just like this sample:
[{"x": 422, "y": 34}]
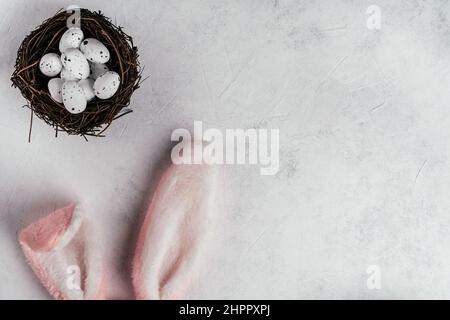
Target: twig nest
[{"x": 77, "y": 79}]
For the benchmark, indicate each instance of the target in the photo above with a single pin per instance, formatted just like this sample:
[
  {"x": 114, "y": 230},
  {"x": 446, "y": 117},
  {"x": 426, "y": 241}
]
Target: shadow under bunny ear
[{"x": 140, "y": 209}]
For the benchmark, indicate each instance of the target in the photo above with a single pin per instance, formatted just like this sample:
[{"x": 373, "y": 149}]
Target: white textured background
[{"x": 365, "y": 123}]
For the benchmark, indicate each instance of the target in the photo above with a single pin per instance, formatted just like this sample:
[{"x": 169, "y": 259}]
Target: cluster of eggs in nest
[{"x": 79, "y": 74}]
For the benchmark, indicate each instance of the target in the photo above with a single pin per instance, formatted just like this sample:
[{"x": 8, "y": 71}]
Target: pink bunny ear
[
  {"x": 59, "y": 249},
  {"x": 172, "y": 239}
]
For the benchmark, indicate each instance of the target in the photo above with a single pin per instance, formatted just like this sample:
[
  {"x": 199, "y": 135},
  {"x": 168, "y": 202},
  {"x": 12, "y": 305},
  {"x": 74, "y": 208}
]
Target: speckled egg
[
  {"x": 95, "y": 51},
  {"x": 71, "y": 39},
  {"x": 106, "y": 85},
  {"x": 54, "y": 88},
  {"x": 75, "y": 62},
  {"x": 88, "y": 88},
  {"x": 97, "y": 69},
  {"x": 67, "y": 76},
  {"x": 73, "y": 97},
  {"x": 50, "y": 65}
]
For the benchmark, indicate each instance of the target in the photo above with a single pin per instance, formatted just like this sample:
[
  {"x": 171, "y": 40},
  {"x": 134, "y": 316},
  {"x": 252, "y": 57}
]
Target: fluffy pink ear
[
  {"x": 172, "y": 240},
  {"x": 60, "y": 251}
]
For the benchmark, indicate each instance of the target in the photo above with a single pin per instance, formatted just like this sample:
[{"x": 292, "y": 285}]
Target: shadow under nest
[{"x": 99, "y": 114}]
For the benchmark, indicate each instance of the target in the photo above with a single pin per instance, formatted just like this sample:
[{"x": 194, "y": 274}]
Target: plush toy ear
[
  {"x": 60, "y": 251},
  {"x": 172, "y": 240}
]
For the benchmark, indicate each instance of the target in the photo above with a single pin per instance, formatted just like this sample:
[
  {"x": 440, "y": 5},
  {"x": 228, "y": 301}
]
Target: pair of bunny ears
[{"x": 170, "y": 246}]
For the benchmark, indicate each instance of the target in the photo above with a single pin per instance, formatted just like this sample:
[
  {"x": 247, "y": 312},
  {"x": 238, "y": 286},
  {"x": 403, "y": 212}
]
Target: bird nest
[{"x": 99, "y": 114}]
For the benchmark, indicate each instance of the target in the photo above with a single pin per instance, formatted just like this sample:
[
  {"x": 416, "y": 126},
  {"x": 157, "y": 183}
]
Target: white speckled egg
[
  {"x": 95, "y": 51},
  {"x": 106, "y": 85},
  {"x": 88, "y": 88},
  {"x": 75, "y": 62},
  {"x": 50, "y": 64},
  {"x": 67, "y": 76},
  {"x": 71, "y": 39},
  {"x": 54, "y": 88},
  {"x": 97, "y": 69},
  {"x": 73, "y": 97}
]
